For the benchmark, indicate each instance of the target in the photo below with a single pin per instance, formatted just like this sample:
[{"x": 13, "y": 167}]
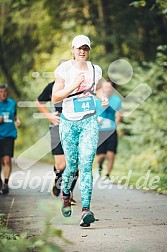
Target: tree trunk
[
  {"x": 104, "y": 17},
  {"x": 8, "y": 75}
]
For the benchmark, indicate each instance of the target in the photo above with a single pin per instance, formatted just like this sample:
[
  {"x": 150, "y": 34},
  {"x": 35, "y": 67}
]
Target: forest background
[{"x": 36, "y": 35}]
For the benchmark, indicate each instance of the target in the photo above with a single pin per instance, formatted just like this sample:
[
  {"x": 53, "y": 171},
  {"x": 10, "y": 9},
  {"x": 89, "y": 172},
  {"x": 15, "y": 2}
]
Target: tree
[{"x": 20, "y": 39}]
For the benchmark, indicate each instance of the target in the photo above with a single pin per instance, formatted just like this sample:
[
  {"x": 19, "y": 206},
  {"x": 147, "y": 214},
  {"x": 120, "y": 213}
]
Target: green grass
[
  {"x": 142, "y": 165},
  {"x": 24, "y": 242},
  {"x": 138, "y": 179}
]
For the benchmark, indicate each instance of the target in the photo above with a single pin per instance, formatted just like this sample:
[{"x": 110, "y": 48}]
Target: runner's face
[
  {"x": 3, "y": 94},
  {"x": 81, "y": 53}
]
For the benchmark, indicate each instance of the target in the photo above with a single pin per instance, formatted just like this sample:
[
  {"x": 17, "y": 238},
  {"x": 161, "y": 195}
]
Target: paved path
[{"x": 127, "y": 220}]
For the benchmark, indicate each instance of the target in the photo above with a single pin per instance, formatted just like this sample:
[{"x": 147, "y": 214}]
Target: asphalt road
[{"x": 127, "y": 220}]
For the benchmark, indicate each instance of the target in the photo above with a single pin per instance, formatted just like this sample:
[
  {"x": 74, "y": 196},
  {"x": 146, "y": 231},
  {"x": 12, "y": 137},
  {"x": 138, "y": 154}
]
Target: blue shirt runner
[
  {"x": 107, "y": 116},
  {"x": 8, "y": 111}
]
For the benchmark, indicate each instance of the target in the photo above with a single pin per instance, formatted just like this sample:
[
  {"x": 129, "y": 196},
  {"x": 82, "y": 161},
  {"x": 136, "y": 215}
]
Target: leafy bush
[{"x": 11, "y": 242}]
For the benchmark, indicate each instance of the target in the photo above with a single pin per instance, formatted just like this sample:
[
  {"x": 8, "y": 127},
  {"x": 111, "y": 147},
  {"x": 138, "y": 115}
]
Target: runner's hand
[
  {"x": 100, "y": 119},
  {"x": 78, "y": 80},
  {"x": 18, "y": 123},
  {"x": 54, "y": 118},
  {"x": 104, "y": 101},
  {"x": 1, "y": 119}
]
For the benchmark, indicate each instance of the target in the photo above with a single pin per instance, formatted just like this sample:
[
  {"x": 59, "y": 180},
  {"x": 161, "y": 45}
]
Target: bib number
[
  {"x": 6, "y": 117},
  {"x": 83, "y": 104}
]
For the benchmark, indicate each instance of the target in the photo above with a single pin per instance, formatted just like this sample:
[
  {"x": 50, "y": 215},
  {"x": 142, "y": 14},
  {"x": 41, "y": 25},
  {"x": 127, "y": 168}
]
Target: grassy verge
[
  {"x": 138, "y": 168},
  {"x": 23, "y": 242}
]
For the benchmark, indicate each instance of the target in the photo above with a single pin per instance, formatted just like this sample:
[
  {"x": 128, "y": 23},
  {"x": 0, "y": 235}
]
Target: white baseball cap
[{"x": 81, "y": 40}]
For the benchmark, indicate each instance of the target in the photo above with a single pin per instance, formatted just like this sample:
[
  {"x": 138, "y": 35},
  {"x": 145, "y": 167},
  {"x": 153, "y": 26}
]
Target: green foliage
[
  {"x": 34, "y": 33},
  {"x": 11, "y": 242},
  {"x": 146, "y": 128},
  {"x": 137, "y": 4},
  {"x": 143, "y": 134}
]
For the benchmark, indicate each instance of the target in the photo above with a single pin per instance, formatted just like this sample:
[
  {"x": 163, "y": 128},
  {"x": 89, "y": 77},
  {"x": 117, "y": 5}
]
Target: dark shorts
[
  {"x": 7, "y": 147},
  {"x": 108, "y": 141},
  {"x": 55, "y": 141}
]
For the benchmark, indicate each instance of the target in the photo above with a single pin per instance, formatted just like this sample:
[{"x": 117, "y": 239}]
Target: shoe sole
[
  {"x": 85, "y": 225},
  {"x": 66, "y": 214}
]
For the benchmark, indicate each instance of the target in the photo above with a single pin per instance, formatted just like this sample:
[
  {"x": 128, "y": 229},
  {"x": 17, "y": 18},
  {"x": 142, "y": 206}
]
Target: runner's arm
[
  {"x": 60, "y": 92},
  {"x": 52, "y": 117},
  {"x": 17, "y": 122},
  {"x": 100, "y": 95},
  {"x": 119, "y": 116},
  {"x": 16, "y": 119}
]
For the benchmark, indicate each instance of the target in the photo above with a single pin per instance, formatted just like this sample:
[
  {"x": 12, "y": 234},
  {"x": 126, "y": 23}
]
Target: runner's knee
[
  {"x": 60, "y": 166},
  {"x": 6, "y": 161}
]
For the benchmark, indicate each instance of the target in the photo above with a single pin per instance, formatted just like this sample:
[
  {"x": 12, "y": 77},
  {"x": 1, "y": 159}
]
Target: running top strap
[{"x": 87, "y": 90}]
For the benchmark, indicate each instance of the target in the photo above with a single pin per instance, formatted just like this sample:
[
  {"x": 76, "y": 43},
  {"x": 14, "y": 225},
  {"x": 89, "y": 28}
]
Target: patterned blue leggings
[{"x": 79, "y": 140}]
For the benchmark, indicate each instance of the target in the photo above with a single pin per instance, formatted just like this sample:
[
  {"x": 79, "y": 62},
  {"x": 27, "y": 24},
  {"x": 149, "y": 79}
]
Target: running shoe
[
  {"x": 73, "y": 202},
  {"x": 56, "y": 189},
  {"x": 87, "y": 218},
  {"x": 5, "y": 189},
  {"x": 106, "y": 180},
  {"x": 98, "y": 172},
  {"x": 66, "y": 207}
]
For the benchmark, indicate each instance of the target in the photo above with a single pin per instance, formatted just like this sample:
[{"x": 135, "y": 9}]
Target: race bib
[
  {"x": 84, "y": 104},
  {"x": 6, "y": 116}
]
